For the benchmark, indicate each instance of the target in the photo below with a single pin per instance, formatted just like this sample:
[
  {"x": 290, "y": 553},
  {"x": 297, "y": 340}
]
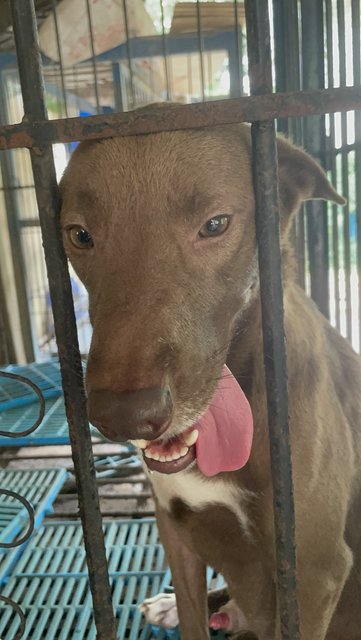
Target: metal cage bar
[
  {"x": 25, "y": 31},
  {"x": 345, "y": 170},
  {"x": 165, "y": 53},
  {"x": 92, "y": 49},
  {"x": 313, "y": 77},
  {"x": 265, "y": 178},
  {"x": 332, "y": 165},
  {"x": 191, "y": 116},
  {"x": 356, "y": 47}
]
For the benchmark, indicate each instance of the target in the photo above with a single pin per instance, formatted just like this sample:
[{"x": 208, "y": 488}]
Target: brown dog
[{"x": 161, "y": 230}]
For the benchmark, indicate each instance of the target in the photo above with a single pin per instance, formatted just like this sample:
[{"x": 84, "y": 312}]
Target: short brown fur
[{"x": 164, "y": 304}]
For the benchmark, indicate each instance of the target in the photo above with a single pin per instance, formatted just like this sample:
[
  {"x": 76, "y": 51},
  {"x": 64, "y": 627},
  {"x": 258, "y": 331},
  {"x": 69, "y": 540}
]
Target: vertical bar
[
  {"x": 288, "y": 73},
  {"x": 241, "y": 53},
  {"x": 92, "y": 49},
  {"x": 7, "y": 350},
  {"x": 13, "y": 221},
  {"x": 356, "y": 51},
  {"x": 233, "y": 67},
  {"x": 117, "y": 83},
  {"x": 129, "y": 56},
  {"x": 237, "y": 42},
  {"x": 314, "y": 139},
  {"x": 189, "y": 74},
  {"x": 61, "y": 66},
  {"x": 269, "y": 252},
  {"x": 165, "y": 57},
  {"x": 209, "y": 68},
  {"x": 288, "y": 78},
  {"x": 344, "y": 170},
  {"x": 27, "y": 47},
  {"x": 332, "y": 165},
  {"x": 200, "y": 48}
]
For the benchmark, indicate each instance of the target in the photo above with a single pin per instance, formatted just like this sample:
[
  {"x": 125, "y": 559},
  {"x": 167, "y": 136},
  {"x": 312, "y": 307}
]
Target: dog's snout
[{"x": 144, "y": 413}]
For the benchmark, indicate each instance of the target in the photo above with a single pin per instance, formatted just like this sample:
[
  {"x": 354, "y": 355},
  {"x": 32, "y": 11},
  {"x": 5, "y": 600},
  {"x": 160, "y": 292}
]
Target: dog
[{"x": 160, "y": 228}]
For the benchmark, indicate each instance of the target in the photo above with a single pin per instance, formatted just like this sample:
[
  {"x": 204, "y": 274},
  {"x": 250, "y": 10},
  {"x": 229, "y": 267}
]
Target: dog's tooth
[
  {"x": 183, "y": 451},
  {"x": 162, "y": 458},
  {"x": 191, "y": 437},
  {"x": 140, "y": 443},
  {"x": 176, "y": 455},
  {"x": 168, "y": 458},
  {"x": 151, "y": 454}
]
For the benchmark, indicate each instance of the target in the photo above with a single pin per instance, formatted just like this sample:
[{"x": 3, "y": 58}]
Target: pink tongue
[{"x": 225, "y": 430}]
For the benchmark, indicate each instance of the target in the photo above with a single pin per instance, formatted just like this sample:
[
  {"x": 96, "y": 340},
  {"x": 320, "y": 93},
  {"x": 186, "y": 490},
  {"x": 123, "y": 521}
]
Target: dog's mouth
[
  {"x": 218, "y": 442},
  {"x": 171, "y": 456}
]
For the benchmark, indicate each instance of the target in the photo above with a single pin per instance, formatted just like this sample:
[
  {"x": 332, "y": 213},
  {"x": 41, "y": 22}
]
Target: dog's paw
[
  {"x": 230, "y": 618},
  {"x": 161, "y": 610}
]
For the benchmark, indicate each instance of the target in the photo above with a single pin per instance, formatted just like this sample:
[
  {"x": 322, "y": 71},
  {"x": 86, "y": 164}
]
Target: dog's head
[{"x": 160, "y": 228}]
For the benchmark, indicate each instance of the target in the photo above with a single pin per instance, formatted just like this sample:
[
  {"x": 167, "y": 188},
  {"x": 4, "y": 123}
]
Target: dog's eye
[
  {"x": 215, "y": 226},
  {"x": 80, "y": 238}
]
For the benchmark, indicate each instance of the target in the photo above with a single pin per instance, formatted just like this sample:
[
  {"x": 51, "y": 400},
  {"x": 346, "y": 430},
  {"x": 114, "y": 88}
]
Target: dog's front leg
[{"x": 189, "y": 580}]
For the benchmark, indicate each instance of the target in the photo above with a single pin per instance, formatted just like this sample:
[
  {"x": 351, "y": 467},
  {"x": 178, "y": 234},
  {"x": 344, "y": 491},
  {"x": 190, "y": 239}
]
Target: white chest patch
[{"x": 198, "y": 492}]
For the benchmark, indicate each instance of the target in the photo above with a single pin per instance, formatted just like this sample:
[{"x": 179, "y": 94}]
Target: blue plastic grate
[
  {"x": 49, "y": 581},
  {"x": 127, "y": 463},
  {"x": 52, "y": 431},
  {"x": 45, "y": 375},
  {"x": 40, "y": 487}
]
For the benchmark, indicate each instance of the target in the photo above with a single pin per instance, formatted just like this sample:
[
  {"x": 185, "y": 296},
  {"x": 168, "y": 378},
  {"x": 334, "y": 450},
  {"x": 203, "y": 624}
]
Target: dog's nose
[{"x": 132, "y": 415}]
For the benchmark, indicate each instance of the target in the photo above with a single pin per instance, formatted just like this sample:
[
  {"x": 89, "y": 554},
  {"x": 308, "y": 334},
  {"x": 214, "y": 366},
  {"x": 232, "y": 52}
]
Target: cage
[{"x": 295, "y": 62}]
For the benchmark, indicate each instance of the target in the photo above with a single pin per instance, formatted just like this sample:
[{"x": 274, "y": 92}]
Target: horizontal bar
[{"x": 190, "y": 116}]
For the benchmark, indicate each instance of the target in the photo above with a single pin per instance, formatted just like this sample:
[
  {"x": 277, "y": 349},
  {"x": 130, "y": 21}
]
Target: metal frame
[{"x": 262, "y": 108}]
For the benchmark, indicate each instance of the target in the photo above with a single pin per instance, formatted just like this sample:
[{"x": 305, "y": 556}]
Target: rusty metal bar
[
  {"x": 61, "y": 65},
  {"x": 92, "y": 49},
  {"x": 332, "y": 165},
  {"x": 11, "y": 199},
  {"x": 313, "y": 77},
  {"x": 288, "y": 78},
  {"x": 200, "y": 48},
  {"x": 7, "y": 347},
  {"x": 129, "y": 54},
  {"x": 190, "y": 116},
  {"x": 345, "y": 170},
  {"x": 164, "y": 50},
  {"x": 238, "y": 45},
  {"x": 269, "y": 253},
  {"x": 24, "y": 23},
  {"x": 117, "y": 84},
  {"x": 286, "y": 38},
  {"x": 356, "y": 50}
]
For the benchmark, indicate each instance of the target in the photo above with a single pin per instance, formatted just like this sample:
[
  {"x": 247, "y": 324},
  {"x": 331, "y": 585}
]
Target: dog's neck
[
  {"x": 245, "y": 360},
  {"x": 245, "y": 354}
]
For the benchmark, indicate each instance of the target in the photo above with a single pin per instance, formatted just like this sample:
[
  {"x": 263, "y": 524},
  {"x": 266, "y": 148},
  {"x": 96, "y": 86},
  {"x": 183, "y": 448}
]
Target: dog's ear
[{"x": 300, "y": 178}]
